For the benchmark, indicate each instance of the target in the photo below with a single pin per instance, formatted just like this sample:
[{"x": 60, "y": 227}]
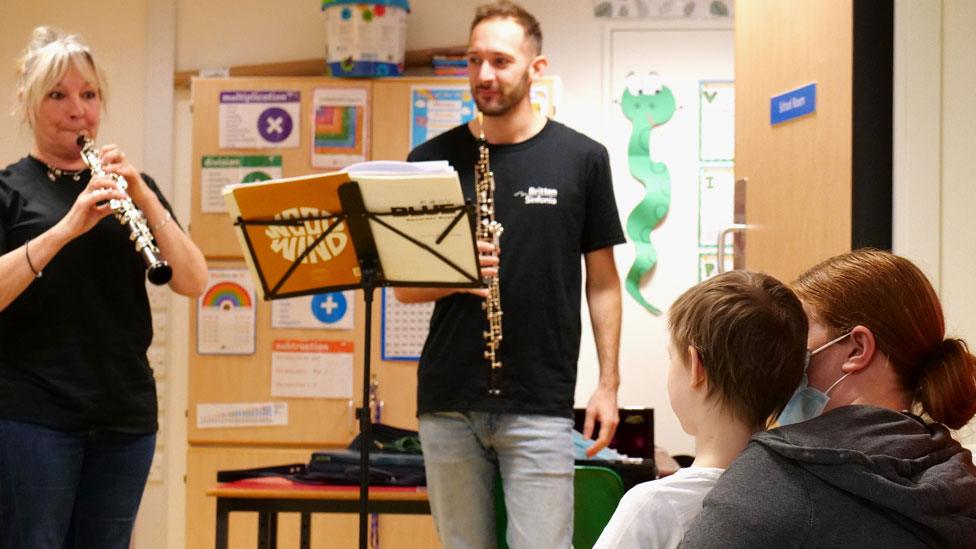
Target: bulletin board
[
  {"x": 232, "y": 381},
  {"x": 211, "y": 231}
]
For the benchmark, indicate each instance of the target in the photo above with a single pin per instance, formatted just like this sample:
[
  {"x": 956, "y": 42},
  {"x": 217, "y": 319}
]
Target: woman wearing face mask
[
  {"x": 856, "y": 467},
  {"x": 77, "y": 396}
]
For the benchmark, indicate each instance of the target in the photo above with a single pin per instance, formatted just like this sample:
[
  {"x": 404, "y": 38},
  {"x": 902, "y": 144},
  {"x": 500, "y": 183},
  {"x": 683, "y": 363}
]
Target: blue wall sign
[{"x": 793, "y": 104}]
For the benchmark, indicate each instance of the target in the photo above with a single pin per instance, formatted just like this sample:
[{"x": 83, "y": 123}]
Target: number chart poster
[
  {"x": 226, "y": 314},
  {"x": 405, "y": 327},
  {"x": 242, "y": 414}
]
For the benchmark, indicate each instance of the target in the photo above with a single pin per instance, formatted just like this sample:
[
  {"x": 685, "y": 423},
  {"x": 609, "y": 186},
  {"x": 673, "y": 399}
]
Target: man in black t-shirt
[{"x": 554, "y": 198}]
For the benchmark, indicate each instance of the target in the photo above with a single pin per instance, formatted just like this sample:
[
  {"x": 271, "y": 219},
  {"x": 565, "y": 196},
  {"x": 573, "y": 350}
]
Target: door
[
  {"x": 819, "y": 184},
  {"x": 797, "y": 173}
]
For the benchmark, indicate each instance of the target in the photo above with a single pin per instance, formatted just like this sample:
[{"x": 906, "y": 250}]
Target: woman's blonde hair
[{"x": 48, "y": 57}]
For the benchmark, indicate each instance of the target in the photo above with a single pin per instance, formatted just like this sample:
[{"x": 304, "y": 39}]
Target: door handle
[{"x": 733, "y": 228}]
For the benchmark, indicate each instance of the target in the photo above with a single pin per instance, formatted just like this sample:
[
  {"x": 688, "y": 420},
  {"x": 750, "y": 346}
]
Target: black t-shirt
[
  {"x": 73, "y": 344},
  {"x": 554, "y": 198}
]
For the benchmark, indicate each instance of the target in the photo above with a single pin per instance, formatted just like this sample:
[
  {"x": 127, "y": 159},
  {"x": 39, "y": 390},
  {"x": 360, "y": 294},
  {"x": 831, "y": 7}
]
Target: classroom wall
[
  {"x": 141, "y": 41},
  {"x": 115, "y": 32},
  {"x": 958, "y": 192},
  {"x": 934, "y": 116}
]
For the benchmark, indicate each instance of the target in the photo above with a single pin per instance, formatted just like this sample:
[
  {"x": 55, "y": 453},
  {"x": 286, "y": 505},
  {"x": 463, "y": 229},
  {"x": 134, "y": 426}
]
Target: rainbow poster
[
  {"x": 226, "y": 314},
  {"x": 227, "y": 295},
  {"x": 339, "y": 129}
]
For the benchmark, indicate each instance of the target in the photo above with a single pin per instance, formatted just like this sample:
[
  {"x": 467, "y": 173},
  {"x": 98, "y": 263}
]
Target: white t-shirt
[{"x": 657, "y": 513}]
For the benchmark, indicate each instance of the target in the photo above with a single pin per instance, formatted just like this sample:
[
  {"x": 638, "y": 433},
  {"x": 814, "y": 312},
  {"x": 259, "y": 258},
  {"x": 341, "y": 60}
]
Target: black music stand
[{"x": 374, "y": 264}]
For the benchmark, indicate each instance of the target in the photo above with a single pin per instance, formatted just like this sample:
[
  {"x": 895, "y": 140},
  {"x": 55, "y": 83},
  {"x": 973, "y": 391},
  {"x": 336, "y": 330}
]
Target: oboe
[
  {"x": 489, "y": 230},
  {"x": 157, "y": 269}
]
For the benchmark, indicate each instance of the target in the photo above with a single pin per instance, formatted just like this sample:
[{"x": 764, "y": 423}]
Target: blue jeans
[
  {"x": 534, "y": 454},
  {"x": 70, "y": 489}
]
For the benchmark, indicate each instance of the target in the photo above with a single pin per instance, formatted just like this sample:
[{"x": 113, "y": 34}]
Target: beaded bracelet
[
  {"x": 163, "y": 223},
  {"x": 37, "y": 274}
]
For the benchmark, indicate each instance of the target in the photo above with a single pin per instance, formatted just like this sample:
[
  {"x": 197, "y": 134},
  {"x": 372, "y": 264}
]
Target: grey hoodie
[{"x": 857, "y": 476}]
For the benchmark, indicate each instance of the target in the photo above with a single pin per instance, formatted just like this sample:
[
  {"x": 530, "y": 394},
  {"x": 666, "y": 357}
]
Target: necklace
[
  {"x": 54, "y": 173},
  {"x": 57, "y": 173}
]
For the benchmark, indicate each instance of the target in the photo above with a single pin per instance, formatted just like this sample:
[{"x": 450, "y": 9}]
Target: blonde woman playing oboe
[{"x": 77, "y": 396}]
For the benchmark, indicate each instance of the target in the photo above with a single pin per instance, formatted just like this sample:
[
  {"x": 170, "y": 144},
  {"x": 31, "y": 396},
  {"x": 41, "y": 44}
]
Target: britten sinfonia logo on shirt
[
  {"x": 291, "y": 241},
  {"x": 539, "y": 195}
]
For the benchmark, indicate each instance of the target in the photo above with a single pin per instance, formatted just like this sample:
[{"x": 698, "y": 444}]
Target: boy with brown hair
[{"x": 737, "y": 352}]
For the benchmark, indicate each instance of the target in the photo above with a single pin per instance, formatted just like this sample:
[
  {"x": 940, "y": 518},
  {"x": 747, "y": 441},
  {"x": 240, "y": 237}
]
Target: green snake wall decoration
[{"x": 647, "y": 104}]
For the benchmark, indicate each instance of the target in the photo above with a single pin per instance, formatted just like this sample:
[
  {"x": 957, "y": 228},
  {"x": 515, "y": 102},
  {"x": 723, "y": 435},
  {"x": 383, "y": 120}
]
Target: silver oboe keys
[{"x": 157, "y": 269}]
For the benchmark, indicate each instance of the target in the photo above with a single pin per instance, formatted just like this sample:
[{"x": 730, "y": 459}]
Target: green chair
[{"x": 597, "y": 491}]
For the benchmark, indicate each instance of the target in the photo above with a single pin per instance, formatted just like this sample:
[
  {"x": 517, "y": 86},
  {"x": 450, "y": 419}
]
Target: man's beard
[{"x": 505, "y": 101}]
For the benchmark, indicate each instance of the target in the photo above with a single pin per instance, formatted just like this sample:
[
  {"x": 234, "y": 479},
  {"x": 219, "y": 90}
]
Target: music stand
[{"x": 391, "y": 223}]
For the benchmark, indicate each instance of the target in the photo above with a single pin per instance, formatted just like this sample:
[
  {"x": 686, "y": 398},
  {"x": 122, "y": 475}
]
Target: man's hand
[
  {"x": 488, "y": 262},
  {"x": 602, "y": 407}
]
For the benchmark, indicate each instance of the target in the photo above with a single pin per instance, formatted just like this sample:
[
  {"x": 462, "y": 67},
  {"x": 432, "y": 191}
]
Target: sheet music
[
  {"x": 423, "y": 206},
  {"x": 408, "y": 203},
  {"x": 275, "y": 248},
  {"x": 395, "y": 167}
]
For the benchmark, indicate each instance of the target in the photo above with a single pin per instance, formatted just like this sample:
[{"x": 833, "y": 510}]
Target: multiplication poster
[{"x": 256, "y": 119}]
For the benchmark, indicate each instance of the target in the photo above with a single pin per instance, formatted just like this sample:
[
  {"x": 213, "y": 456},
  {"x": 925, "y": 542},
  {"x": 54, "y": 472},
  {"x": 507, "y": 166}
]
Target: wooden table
[{"x": 270, "y": 495}]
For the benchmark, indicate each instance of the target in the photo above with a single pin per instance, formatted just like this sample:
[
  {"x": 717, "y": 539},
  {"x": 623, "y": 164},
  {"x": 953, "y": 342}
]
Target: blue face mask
[{"x": 808, "y": 402}]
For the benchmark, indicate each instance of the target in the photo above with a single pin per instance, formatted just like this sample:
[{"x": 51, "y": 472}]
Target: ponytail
[{"x": 947, "y": 384}]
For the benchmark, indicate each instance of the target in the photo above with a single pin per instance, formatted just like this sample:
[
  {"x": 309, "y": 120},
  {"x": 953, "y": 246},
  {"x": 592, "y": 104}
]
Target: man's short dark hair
[
  {"x": 503, "y": 9},
  {"x": 750, "y": 331}
]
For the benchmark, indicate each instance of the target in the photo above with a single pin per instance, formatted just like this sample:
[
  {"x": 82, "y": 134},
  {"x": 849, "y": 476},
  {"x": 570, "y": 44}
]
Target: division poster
[{"x": 219, "y": 171}]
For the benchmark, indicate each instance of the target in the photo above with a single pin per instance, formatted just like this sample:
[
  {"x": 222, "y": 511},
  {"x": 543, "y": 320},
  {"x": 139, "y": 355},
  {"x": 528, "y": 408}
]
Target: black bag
[
  {"x": 343, "y": 466},
  {"x": 389, "y": 440},
  {"x": 394, "y": 460}
]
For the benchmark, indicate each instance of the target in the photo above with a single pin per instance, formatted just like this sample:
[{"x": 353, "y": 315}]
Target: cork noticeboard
[{"x": 247, "y": 378}]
